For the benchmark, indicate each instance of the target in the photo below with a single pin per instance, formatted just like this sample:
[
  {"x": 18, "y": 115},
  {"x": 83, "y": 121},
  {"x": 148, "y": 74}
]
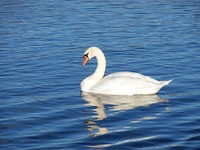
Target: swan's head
[{"x": 89, "y": 54}]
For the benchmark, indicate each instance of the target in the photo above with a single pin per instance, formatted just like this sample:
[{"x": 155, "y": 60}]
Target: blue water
[{"x": 41, "y": 49}]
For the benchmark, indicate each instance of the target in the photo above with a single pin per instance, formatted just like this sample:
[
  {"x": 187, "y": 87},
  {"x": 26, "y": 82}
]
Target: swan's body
[{"x": 120, "y": 83}]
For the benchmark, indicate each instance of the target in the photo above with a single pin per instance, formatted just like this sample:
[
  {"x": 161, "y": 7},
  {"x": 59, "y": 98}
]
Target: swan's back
[
  {"x": 123, "y": 85},
  {"x": 132, "y": 75}
]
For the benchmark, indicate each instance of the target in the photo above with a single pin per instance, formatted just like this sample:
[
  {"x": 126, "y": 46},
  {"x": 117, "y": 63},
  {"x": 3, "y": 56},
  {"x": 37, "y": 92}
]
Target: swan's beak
[{"x": 85, "y": 60}]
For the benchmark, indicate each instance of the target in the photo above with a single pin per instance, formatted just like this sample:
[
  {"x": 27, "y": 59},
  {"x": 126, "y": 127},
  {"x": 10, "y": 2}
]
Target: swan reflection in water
[{"x": 117, "y": 103}]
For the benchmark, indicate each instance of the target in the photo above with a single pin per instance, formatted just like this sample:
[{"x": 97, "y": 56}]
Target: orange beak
[{"x": 85, "y": 60}]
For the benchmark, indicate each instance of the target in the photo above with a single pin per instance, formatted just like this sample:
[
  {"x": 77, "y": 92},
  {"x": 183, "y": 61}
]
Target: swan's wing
[
  {"x": 132, "y": 75},
  {"x": 123, "y": 85}
]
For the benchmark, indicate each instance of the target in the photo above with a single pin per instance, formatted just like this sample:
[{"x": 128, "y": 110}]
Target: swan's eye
[{"x": 86, "y": 55}]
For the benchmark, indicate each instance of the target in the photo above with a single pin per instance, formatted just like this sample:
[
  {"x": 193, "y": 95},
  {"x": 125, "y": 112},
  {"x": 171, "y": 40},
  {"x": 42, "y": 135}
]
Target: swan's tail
[{"x": 163, "y": 83}]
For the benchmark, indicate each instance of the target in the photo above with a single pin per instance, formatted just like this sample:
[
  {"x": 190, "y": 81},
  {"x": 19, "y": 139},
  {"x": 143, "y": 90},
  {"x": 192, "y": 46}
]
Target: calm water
[{"x": 41, "y": 48}]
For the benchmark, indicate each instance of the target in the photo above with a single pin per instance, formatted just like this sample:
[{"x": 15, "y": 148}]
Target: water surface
[{"x": 41, "y": 48}]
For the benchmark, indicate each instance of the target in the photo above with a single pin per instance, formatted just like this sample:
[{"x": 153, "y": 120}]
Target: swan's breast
[{"x": 86, "y": 84}]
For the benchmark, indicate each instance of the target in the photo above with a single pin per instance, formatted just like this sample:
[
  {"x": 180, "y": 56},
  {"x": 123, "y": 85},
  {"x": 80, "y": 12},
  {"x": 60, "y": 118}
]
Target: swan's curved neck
[
  {"x": 93, "y": 79},
  {"x": 101, "y": 66}
]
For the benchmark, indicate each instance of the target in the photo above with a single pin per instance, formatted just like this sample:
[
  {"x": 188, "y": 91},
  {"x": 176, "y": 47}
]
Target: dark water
[{"x": 41, "y": 48}]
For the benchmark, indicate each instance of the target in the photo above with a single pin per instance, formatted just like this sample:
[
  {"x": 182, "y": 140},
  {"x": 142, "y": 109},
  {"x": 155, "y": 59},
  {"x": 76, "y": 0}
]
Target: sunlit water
[{"x": 41, "y": 48}]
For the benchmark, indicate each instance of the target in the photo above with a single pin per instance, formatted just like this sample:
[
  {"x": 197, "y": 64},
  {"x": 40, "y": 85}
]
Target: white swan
[{"x": 120, "y": 83}]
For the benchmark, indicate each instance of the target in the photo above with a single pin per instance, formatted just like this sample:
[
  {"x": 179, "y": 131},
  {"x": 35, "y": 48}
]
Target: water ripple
[{"x": 41, "y": 50}]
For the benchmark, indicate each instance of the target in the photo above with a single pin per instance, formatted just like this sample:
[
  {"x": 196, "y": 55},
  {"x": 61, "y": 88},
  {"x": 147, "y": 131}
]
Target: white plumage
[{"x": 120, "y": 83}]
